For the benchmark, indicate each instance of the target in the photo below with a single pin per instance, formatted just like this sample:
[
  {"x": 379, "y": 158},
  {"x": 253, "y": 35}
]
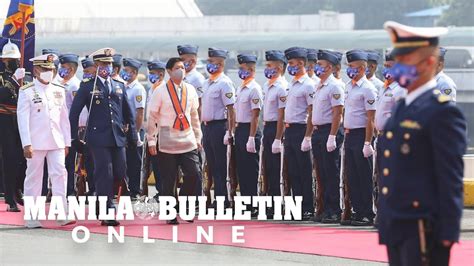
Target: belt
[
  {"x": 270, "y": 123},
  {"x": 353, "y": 130},
  {"x": 206, "y": 123},
  {"x": 7, "y": 109},
  {"x": 242, "y": 124},
  {"x": 321, "y": 127},
  {"x": 294, "y": 124}
]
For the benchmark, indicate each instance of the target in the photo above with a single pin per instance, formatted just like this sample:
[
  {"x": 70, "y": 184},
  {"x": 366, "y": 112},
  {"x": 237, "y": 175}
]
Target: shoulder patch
[
  {"x": 29, "y": 85},
  {"x": 447, "y": 91},
  {"x": 255, "y": 101},
  {"x": 229, "y": 95},
  {"x": 138, "y": 98},
  {"x": 336, "y": 96},
  {"x": 370, "y": 102},
  {"x": 283, "y": 99}
]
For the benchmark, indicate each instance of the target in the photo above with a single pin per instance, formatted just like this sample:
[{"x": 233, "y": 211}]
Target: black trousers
[
  {"x": 299, "y": 165},
  {"x": 156, "y": 171},
  {"x": 272, "y": 161},
  {"x": 246, "y": 162},
  {"x": 14, "y": 164},
  {"x": 329, "y": 168},
  {"x": 169, "y": 163},
  {"x": 407, "y": 253},
  {"x": 359, "y": 174},
  {"x": 134, "y": 167},
  {"x": 71, "y": 167}
]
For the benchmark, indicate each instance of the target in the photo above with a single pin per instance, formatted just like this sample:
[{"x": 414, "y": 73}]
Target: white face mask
[
  {"x": 178, "y": 74},
  {"x": 47, "y": 76}
]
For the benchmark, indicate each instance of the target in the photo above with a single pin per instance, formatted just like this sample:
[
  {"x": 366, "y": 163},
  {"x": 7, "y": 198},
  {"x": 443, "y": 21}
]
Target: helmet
[{"x": 10, "y": 50}]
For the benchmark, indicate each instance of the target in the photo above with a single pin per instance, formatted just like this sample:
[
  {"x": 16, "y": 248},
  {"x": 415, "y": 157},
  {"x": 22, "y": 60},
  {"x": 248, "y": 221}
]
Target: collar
[
  {"x": 67, "y": 83},
  {"x": 215, "y": 77},
  {"x": 38, "y": 84},
  {"x": 103, "y": 80},
  {"x": 156, "y": 85},
  {"x": 327, "y": 81},
  {"x": 438, "y": 76},
  {"x": 301, "y": 79},
  {"x": 190, "y": 72},
  {"x": 359, "y": 82},
  {"x": 247, "y": 82},
  {"x": 131, "y": 85},
  {"x": 419, "y": 91}
]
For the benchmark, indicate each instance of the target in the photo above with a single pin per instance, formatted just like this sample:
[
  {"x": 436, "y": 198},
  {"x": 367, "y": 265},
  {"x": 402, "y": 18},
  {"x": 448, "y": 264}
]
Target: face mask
[
  {"x": 12, "y": 65},
  {"x": 105, "y": 71},
  {"x": 187, "y": 65},
  {"x": 270, "y": 73},
  {"x": 293, "y": 70},
  {"x": 178, "y": 74},
  {"x": 46, "y": 76},
  {"x": 153, "y": 78},
  {"x": 367, "y": 71},
  {"x": 387, "y": 73},
  {"x": 319, "y": 70},
  {"x": 63, "y": 72},
  {"x": 243, "y": 74},
  {"x": 404, "y": 74},
  {"x": 125, "y": 75},
  {"x": 352, "y": 72},
  {"x": 212, "y": 68},
  {"x": 87, "y": 76}
]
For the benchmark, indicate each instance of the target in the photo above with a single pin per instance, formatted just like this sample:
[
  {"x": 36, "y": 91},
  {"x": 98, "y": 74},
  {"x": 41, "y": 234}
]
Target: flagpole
[{"x": 22, "y": 45}]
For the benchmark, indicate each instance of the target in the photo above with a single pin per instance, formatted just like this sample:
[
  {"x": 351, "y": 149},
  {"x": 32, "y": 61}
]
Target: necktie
[{"x": 106, "y": 84}]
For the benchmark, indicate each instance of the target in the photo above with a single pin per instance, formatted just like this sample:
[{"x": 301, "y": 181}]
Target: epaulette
[
  {"x": 24, "y": 87},
  {"x": 86, "y": 80},
  {"x": 442, "y": 98},
  {"x": 59, "y": 85}
]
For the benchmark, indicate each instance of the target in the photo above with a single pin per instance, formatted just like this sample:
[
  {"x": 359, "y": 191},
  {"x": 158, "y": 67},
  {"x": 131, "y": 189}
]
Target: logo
[
  {"x": 255, "y": 101},
  {"x": 108, "y": 52},
  {"x": 447, "y": 91},
  {"x": 336, "y": 96},
  {"x": 50, "y": 58},
  {"x": 370, "y": 102},
  {"x": 283, "y": 99},
  {"x": 229, "y": 95},
  {"x": 138, "y": 98},
  {"x": 16, "y": 20}
]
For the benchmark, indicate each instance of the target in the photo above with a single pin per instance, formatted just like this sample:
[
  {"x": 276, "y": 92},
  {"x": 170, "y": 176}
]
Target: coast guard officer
[
  {"x": 421, "y": 200},
  {"x": 218, "y": 116},
  {"x": 274, "y": 103},
  {"x": 445, "y": 84},
  {"x": 136, "y": 94},
  {"x": 327, "y": 135},
  {"x": 359, "y": 130},
  {"x": 247, "y": 134},
  {"x": 45, "y": 131},
  {"x": 372, "y": 62},
  {"x": 298, "y": 125},
  {"x": 110, "y": 123}
]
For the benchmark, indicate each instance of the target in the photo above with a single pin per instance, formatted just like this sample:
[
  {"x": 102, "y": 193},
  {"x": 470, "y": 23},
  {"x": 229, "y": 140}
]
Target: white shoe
[
  {"x": 33, "y": 224},
  {"x": 65, "y": 222}
]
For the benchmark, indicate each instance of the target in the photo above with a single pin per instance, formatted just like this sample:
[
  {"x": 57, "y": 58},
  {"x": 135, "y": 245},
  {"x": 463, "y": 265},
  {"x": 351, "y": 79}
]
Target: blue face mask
[
  {"x": 270, "y": 73},
  {"x": 125, "y": 75},
  {"x": 153, "y": 78},
  {"x": 319, "y": 70},
  {"x": 105, "y": 71},
  {"x": 404, "y": 74},
  {"x": 244, "y": 74},
  {"x": 352, "y": 72},
  {"x": 212, "y": 68},
  {"x": 387, "y": 73},
  {"x": 87, "y": 76},
  {"x": 63, "y": 72},
  {"x": 367, "y": 71},
  {"x": 187, "y": 65},
  {"x": 293, "y": 70}
]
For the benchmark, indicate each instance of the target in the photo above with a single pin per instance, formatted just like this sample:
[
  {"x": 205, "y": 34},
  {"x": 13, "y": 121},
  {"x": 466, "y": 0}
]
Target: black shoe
[
  {"x": 157, "y": 197},
  {"x": 174, "y": 221},
  {"x": 317, "y": 218},
  {"x": 270, "y": 213},
  {"x": 109, "y": 223},
  {"x": 362, "y": 222},
  {"x": 333, "y": 219},
  {"x": 253, "y": 212},
  {"x": 307, "y": 216},
  {"x": 19, "y": 197},
  {"x": 13, "y": 208},
  {"x": 346, "y": 222},
  {"x": 48, "y": 196}
]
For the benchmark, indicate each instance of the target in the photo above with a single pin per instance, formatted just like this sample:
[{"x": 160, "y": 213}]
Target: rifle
[
  {"x": 145, "y": 169},
  {"x": 207, "y": 182},
  {"x": 318, "y": 199},
  {"x": 231, "y": 180},
  {"x": 262, "y": 185},
  {"x": 285, "y": 182},
  {"x": 346, "y": 214},
  {"x": 80, "y": 174}
]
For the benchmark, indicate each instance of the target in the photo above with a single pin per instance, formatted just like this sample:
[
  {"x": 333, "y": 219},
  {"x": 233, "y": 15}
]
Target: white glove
[
  {"x": 19, "y": 73},
  {"x": 251, "y": 145},
  {"x": 306, "y": 144},
  {"x": 367, "y": 150},
  {"x": 139, "y": 141},
  {"x": 227, "y": 137},
  {"x": 331, "y": 143},
  {"x": 276, "y": 146}
]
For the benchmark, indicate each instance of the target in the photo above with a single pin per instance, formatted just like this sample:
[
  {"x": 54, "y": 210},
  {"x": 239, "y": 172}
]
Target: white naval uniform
[{"x": 43, "y": 123}]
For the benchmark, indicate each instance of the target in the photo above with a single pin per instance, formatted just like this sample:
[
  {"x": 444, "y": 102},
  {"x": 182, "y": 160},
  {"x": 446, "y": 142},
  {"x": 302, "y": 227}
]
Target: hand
[
  {"x": 66, "y": 151},
  {"x": 368, "y": 150},
  {"x": 276, "y": 146},
  {"x": 227, "y": 138},
  {"x": 19, "y": 73},
  {"x": 251, "y": 145},
  {"x": 199, "y": 148},
  {"x": 28, "y": 152},
  {"x": 139, "y": 141},
  {"x": 152, "y": 150},
  {"x": 447, "y": 243},
  {"x": 306, "y": 144},
  {"x": 331, "y": 143}
]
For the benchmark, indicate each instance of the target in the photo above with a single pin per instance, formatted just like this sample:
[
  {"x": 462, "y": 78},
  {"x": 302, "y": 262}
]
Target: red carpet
[{"x": 343, "y": 243}]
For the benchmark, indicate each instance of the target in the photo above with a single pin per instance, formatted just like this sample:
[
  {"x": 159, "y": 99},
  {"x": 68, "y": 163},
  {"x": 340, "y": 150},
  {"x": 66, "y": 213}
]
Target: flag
[{"x": 13, "y": 26}]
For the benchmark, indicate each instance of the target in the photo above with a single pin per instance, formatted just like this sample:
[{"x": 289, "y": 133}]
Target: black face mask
[{"x": 12, "y": 65}]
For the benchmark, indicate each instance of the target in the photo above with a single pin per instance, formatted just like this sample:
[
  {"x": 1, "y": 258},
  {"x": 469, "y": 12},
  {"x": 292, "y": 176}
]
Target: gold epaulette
[{"x": 24, "y": 87}]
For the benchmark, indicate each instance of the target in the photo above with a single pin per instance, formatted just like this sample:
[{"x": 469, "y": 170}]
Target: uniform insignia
[
  {"x": 138, "y": 98},
  {"x": 447, "y": 91},
  {"x": 436, "y": 92},
  {"x": 283, "y": 99},
  {"x": 74, "y": 93},
  {"x": 370, "y": 102},
  {"x": 405, "y": 148},
  {"x": 119, "y": 91},
  {"x": 311, "y": 95},
  {"x": 336, "y": 96},
  {"x": 97, "y": 102},
  {"x": 410, "y": 124},
  {"x": 50, "y": 58},
  {"x": 29, "y": 85},
  {"x": 57, "y": 94},
  {"x": 444, "y": 98},
  {"x": 255, "y": 101},
  {"x": 389, "y": 94},
  {"x": 229, "y": 95},
  {"x": 86, "y": 80}
]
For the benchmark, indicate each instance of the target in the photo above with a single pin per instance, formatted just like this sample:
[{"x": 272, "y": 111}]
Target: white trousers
[{"x": 56, "y": 172}]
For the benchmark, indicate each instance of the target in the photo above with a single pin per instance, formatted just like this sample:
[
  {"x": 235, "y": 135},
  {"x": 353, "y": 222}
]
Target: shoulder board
[
  {"x": 59, "y": 85},
  {"x": 115, "y": 79},
  {"x": 86, "y": 80},
  {"x": 24, "y": 87},
  {"x": 444, "y": 98}
]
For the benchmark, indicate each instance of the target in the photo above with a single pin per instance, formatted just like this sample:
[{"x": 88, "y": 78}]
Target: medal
[{"x": 97, "y": 102}]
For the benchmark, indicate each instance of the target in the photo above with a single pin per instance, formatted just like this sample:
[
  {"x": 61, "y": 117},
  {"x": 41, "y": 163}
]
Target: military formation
[{"x": 363, "y": 152}]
